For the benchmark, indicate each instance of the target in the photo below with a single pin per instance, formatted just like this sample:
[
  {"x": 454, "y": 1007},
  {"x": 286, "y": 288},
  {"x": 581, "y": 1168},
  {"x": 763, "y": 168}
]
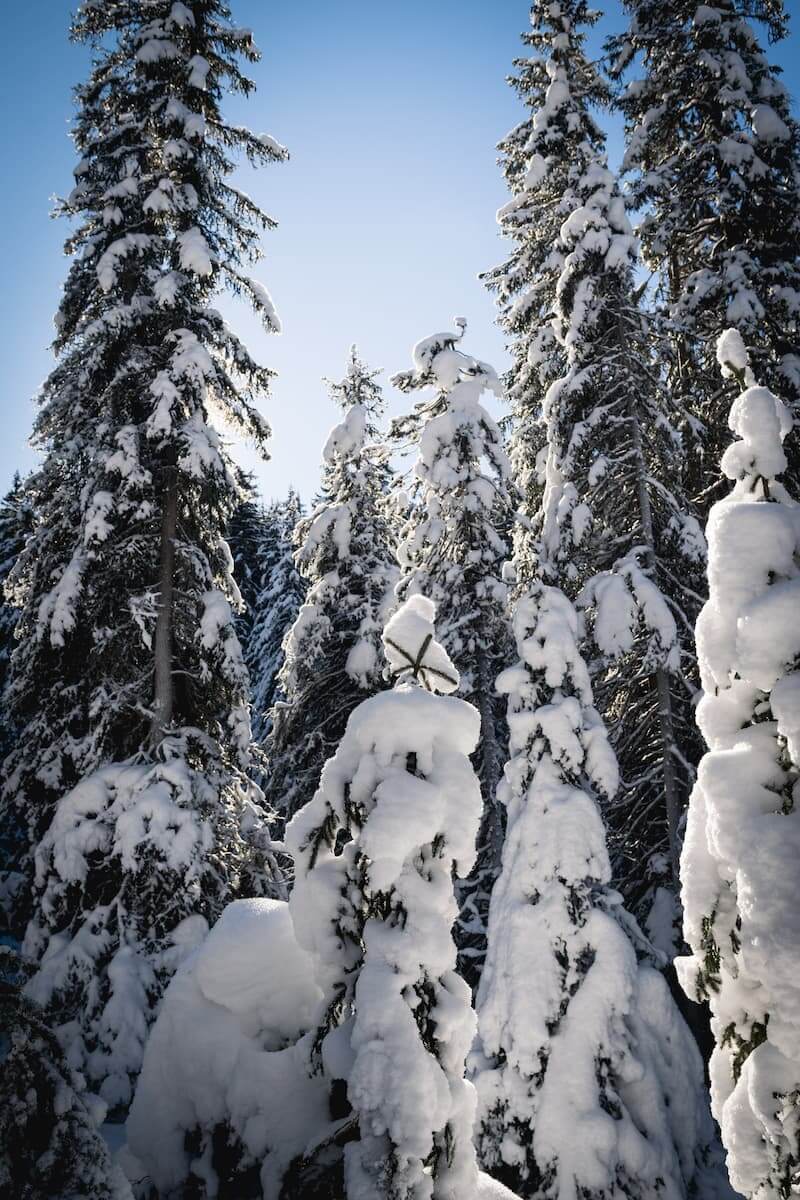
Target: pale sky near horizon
[{"x": 386, "y": 209}]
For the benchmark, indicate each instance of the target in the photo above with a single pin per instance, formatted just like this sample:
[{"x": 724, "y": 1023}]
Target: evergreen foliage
[
  {"x": 49, "y": 1141},
  {"x": 613, "y": 530},
  {"x": 452, "y": 550},
  {"x": 345, "y": 553},
  {"x": 394, "y": 819},
  {"x": 281, "y": 594},
  {"x": 580, "y": 1050},
  {"x": 128, "y": 687},
  {"x": 743, "y": 833},
  {"x": 713, "y": 161}
]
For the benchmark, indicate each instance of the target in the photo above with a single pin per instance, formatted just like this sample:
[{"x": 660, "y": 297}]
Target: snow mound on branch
[
  {"x": 228, "y": 1037},
  {"x": 347, "y": 438},
  {"x": 411, "y": 647}
]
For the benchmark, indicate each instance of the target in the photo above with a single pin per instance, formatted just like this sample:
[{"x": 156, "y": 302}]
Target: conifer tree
[
  {"x": 395, "y": 816},
  {"x": 580, "y": 1049},
  {"x": 49, "y": 1141},
  {"x": 15, "y": 525},
  {"x": 541, "y": 160},
  {"x": 281, "y": 593},
  {"x": 713, "y": 161},
  {"x": 613, "y": 531},
  {"x": 743, "y": 836},
  {"x": 250, "y": 527},
  {"x": 128, "y": 685},
  {"x": 453, "y": 549},
  {"x": 346, "y": 556}
]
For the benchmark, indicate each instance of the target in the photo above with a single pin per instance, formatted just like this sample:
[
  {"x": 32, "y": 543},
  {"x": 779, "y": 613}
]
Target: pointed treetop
[{"x": 409, "y": 642}]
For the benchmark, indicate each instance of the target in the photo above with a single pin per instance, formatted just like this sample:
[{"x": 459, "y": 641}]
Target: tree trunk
[
  {"x": 666, "y": 721},
  {"x": 490, "y": 766},
  {"x": 164, "y": 689}
]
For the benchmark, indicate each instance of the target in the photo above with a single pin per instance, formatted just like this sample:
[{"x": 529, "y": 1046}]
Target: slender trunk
[
  {"x": 163, "y": 704},
  {"x": 490, "y": 761},
  {"x": 666, "y": 720}
]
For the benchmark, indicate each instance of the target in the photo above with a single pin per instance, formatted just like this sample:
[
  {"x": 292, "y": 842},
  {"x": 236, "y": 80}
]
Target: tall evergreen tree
[
  {"x": 613, "y": 531},
  {"x": 128, "y": 685},
  {"x": 346, "y": 555},
  {"x": 743, "y": 835},
  {"x": 541, "y": 160},
  {"x": 452, "y": 550},
  {"x": 376, "y": 849},
  {"x": 580, "y": 1049},
  {"x": 249, "y": 528},
  {"x": 281, "y": 593},
  {"x": 713, "y": 161}
]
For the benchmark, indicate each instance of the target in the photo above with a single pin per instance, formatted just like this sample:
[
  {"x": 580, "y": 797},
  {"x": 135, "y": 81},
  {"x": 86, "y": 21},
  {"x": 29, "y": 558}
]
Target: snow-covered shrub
[
  {"x": 581, "y": 1051},
  {"x": 50, "y": 1143},
  {"x": 739, "y": 863},
  {"x": 395, "y": 816},
  {"x": 130, "y": 775},
  {"x": 224, "y": 1098},
  {"x": 107, "y": 941}
]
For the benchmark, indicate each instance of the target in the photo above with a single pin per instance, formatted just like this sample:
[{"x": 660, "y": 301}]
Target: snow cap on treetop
[{"x": 412, "y": 651}]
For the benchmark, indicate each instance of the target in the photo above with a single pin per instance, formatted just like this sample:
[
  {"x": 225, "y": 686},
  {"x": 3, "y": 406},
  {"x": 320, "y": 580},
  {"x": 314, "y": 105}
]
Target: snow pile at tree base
[{"x": 225, "y": 1041}]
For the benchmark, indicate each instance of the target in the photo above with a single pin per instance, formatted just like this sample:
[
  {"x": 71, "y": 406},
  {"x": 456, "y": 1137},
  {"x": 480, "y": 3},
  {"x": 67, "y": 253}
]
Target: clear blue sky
[{"x": 386, "y": 209}]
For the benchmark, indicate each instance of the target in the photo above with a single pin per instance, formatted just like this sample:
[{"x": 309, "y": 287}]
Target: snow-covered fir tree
[
  {"x": 128, "y": 685},
  {"x": 15, "y": 524},
  {"x": 541, "y": 158},
  {"x": 275, "y": 610},
  {"x": 49, "y": 1141},
  {"x": 739, "y": 862},
  {"x": 713, "y": 162},
  {"x": 581, "y": 1051},
  {"x": 250, "y": 528},
  {"x": 614, "y": 532},
  {"x": 346, "y": 554},
  {"x": 452, "y": 549},
  {"x": 394, "y": 818},
  {"x": 262, "y": 544}
]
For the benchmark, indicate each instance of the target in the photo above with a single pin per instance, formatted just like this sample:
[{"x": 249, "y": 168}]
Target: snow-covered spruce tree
[
  {"x": 739, "y": 862},
  {"x": 453, "y": 549},
  {"x": 49, "y": 1141},
  {"x": 542, "y": 159},
  {"x": 395, "y": 816},
  {"x": 262, "y": 544},
  {"x": 615, "y": 531},
  {"x": 15, "y": 524},
  {"x": 275, "y": 609},
  {"x": 128, "y": 685},
  {"x": 713, "y": 163},
  {"x": 346, "y": 554},
  {"x": 581, "y": 1051}
]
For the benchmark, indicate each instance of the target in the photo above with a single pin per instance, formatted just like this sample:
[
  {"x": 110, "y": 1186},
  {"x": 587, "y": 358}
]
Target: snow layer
[
  {"x": 739, "y": 863},
  {"x": 396, "y": 814},
  {"x": 227, "y": 1041},
  {"x": 567, "y": 1018}
]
